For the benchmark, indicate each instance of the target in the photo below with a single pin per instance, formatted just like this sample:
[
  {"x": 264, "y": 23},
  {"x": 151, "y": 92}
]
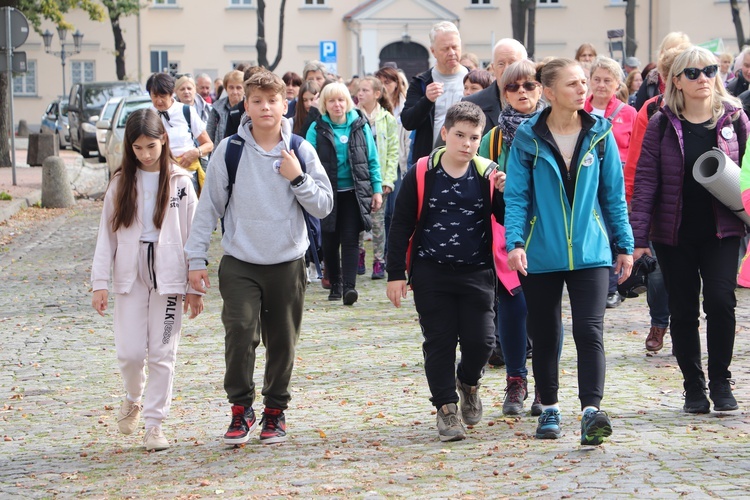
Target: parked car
[
  {"x": 101, "y": 134},
  {"x": 115, "y": 128},
  {"x": 55, "y": 121},
  {"x": 85, "y": 104}
]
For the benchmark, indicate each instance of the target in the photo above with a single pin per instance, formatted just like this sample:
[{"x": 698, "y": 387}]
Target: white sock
[
  {"x": 589, "y": 408},
  {"x": 555, "y": 406}
]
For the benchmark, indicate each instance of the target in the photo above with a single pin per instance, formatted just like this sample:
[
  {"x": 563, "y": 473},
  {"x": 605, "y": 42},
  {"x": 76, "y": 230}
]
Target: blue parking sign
[{"x": 328, "y": 51}]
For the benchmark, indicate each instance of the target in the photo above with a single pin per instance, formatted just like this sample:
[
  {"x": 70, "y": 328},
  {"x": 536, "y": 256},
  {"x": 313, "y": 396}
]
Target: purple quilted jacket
[{"x": 656, "y": 207}]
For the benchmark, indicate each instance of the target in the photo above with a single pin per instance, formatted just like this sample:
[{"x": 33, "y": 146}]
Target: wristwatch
[{"x": 297, "y": 181}]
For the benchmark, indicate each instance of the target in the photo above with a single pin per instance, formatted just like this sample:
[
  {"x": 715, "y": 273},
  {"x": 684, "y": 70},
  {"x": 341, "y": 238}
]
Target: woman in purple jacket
[{"x": 696, "y": 237}]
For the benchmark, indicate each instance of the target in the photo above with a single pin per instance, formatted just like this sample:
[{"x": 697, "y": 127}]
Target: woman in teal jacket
[{"x": 564, "y": 187}]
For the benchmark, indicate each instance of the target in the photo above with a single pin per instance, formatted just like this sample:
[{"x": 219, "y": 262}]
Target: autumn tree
[
  {"x": 261, "y": 45},
  {"x": 117, "y": 9},
  {"x": 36, "y": 11}
]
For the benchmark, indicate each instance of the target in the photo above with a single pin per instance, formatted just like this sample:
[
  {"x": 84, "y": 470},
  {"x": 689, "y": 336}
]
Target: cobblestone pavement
[{"x": 360, "y": 422}]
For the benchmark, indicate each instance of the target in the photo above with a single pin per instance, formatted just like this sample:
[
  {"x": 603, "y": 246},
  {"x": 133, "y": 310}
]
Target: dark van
[{"x": 84, "y": 106}]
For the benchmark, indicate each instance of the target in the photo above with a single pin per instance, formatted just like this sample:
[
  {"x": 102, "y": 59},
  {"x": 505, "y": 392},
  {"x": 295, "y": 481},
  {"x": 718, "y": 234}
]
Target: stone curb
[{"x": 19, "y": 203}]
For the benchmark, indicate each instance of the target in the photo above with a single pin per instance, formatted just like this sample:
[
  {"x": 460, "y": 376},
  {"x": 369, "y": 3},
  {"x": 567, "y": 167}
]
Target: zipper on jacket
[
  {"x": 568, "y": 229},
  {"x": 599, "y": 221},
  {"x": 531, "y": 232}
]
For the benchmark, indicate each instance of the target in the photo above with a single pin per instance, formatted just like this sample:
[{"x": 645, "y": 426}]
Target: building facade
[{"x": 353, "y": 36}]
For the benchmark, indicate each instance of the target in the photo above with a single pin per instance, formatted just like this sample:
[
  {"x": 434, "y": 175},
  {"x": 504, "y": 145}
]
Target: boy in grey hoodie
[{"x": 262, "y": 275}]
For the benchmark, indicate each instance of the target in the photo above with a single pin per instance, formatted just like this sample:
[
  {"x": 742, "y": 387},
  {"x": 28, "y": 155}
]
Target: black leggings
[
  {"x": 587, "y": 289},
  {"x": 710, "y": 262},
  {"x": 342, "y": 267}
]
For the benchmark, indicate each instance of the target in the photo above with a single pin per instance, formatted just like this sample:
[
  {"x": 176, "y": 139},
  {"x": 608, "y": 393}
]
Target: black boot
[
  {"x": 335, "y": 293},
  {"x": 720, "y": 392},
  {"x": 350, "y": 294},
  {"x": 695, "y": 397}
]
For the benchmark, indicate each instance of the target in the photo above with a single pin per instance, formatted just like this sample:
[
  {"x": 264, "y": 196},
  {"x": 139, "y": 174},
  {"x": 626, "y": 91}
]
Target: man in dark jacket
[
  {"x": 740, "y": 83},
  {"x": 506, "y": 52},
  {"x": 432, "y": 92}
]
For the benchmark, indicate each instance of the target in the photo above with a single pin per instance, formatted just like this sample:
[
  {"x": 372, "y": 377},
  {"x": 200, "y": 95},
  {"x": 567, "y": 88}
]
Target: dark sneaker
[
  {"x": 496, "y": 359},
  {"x": 243, "y": 423},
  {"x": 720, "y": 392},
  {"x": 595, "y": 427},
  {"x": 378, "y": 271},
  {"x": 350, "y": 296},
  {"x": 361, "y": 264},
  {"x": 549, "y": 424},
  {"x": 335, "y": 293},
  {"x": 448, "y": 425},
  {"x": 515, "y": 393},
  {"x": 695, "y": 399},
  {"x": 273, "y": 426},
  {"x": 614, "y": 300},
  {"x": 536, "y": 406},
  {"x": 471, "y": 405}
]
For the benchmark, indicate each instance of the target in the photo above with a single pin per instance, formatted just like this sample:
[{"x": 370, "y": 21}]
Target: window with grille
[
  {"x": 25, "y": 83},
  {"x": 82, "y": 71}
]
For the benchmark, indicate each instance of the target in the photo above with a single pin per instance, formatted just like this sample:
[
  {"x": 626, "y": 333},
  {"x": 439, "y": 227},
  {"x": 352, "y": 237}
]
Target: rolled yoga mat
[{"x": 716, "y": 172}]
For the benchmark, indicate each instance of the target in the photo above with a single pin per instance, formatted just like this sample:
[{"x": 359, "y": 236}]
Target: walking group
[{"x": 486, "y": 192}]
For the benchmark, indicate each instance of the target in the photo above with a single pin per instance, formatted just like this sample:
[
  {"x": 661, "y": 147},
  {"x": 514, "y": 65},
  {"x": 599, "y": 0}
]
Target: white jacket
[{"x": 122, "y": 247}]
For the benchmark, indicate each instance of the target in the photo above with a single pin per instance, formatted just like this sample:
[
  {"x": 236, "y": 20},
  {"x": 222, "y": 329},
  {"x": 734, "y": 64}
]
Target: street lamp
[{"x": 65, "y": 50}]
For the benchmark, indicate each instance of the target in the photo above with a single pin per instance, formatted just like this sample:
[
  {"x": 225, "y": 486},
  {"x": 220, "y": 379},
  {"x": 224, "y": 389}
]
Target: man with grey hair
[
  {"x": 740, "y": 83},
  {"x": 203, "y": 85},
  {"x": 432, "y": 92},
  {"x": 506, "y": 52},
  {"x": 316, "y": 71}
]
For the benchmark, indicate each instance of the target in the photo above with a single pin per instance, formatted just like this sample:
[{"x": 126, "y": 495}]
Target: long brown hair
[
  {"x": 391, "y": 74},
  {"x": 142, "y": 122},
  {"x": 300, "y": 113},
  {"x": 377, "y": 86}
]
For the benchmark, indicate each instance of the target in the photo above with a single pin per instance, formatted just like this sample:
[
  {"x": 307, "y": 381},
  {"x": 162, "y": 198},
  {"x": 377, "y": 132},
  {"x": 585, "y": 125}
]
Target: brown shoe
[{"x": 655, "y": 339}]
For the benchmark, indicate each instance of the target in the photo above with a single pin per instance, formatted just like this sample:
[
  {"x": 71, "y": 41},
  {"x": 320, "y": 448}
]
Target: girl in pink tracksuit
[{"x": 148, "y": 210}]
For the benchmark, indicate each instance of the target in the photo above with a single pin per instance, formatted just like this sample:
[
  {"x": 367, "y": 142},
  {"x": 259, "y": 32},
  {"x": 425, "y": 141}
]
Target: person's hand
[
  {"x": 198, "y": 279},
  {"x": 433, "y": 91},
  {"x": 99, "y": 301},
  {"x": 638, "y": 253},
  {"x": 289, "y": 167},
  {"x": 517, "y": 260},
  {"x": 396, "y": 290},
  {"x": 387, "y": 190},
  {"x": 195, "y": 303},
  {"x": 623, "y": 267},
  {"x": 500, "y": 181},
  {"x": 377, "y": 202},
  {"x": 189, "y": 157}
]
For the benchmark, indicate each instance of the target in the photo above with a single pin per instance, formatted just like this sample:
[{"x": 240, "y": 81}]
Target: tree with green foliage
[
  {"x": 36, "y": 11},
  {"x": 117, "y": 9}
]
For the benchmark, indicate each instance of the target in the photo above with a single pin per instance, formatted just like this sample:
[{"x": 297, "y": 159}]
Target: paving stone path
[{"x": 360, "y": 422}]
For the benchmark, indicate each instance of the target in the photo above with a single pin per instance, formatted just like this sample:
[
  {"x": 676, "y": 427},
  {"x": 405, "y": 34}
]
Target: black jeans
[
  {"x": 712, "y": 262},
  {"x": 587, "y": 289},
  {"x": 455, "y": 307},
  {"x": 343, "y": 267}
]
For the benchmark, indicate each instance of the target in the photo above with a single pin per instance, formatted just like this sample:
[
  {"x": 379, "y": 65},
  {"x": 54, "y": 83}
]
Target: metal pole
[
  {"x": 62, "y": 58},
  {"x": 9, "y": 61}
]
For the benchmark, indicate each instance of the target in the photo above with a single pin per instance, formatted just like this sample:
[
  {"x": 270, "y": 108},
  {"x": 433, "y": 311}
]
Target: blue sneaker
[
  {"x": 549, "y": 425},
  {"x": 595, "y": 426}
]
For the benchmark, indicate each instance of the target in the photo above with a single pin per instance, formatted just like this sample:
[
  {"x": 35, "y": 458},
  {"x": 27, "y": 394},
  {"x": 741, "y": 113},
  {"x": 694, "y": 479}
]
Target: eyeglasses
[
  {"x": 527, "y": 86},
  {"x": 694, "y": 73}
]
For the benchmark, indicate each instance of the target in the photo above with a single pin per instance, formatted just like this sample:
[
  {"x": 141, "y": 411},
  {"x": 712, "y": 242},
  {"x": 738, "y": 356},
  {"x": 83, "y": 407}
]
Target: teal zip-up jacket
[{"x": 539, "y": 217}]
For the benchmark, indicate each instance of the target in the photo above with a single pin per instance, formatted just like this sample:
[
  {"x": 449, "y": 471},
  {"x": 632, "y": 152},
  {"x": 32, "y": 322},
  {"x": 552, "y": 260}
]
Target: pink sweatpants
[{"x": 147, "y": 330}]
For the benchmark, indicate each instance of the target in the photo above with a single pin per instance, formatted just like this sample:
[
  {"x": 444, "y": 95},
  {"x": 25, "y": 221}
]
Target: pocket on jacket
[
  {"x": 267, "y": 239},
  {"x": 171, "y": 268}
]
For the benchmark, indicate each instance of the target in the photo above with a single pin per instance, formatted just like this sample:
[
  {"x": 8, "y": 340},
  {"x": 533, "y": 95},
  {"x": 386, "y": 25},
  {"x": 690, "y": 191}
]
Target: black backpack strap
[
  {"x": 186, "y": 114},
  {"x": 232, "y": 159},
  {"x": 312, "y": 223},
  {"x": 295, "y": 142}
]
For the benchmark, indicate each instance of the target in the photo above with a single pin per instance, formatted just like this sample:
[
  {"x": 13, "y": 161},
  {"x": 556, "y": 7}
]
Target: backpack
[
  {"x": 496, "y": 143},
  {"x": 186, "y": 113},
  {"x": 232, "y": 159}
]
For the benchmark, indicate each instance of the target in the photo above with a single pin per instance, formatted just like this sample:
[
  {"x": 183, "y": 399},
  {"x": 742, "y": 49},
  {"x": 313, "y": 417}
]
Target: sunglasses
[
  {"x": 694, "y": 73},
  {"x": 527, "y": 86}
]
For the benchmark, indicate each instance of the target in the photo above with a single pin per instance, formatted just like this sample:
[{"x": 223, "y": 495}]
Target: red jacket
[
  {"x": 622, "y": 124},
  {"x": 636, "y": 142}
]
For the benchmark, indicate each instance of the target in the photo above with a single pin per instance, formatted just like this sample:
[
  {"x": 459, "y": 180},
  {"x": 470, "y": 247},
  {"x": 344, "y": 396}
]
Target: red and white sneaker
[
  {"x": 243, "y": 423},
  {"x": 273, "y": 426}
]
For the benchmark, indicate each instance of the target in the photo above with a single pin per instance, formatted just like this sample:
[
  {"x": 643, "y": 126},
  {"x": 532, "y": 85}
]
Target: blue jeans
[
  {"x": 510, "y": 330},
  {"x": 657, "y": 296}
]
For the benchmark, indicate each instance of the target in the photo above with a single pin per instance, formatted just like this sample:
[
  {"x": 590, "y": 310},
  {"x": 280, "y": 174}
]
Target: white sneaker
[
  {"x": 154, "y": 440},
  {"x": 128, "y": 416},
  {"x": 312, "y": 274}
]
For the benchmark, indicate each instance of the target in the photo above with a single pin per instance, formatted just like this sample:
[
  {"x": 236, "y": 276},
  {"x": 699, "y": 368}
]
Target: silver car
[
  {"x": 101, "y": 134},
  {"x": 115, "y": 128}
]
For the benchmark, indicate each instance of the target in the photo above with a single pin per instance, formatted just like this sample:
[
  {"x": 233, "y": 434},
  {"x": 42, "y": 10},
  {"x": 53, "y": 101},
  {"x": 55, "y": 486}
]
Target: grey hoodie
[{"x": 263, "y": 222}]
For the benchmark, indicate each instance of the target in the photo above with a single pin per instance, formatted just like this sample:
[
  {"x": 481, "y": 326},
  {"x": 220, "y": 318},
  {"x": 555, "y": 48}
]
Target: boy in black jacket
[{"x": 451, "y": 267}]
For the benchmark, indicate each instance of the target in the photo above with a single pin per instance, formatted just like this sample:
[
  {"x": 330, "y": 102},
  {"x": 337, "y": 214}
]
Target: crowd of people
[{"x": 485, "y": 192}]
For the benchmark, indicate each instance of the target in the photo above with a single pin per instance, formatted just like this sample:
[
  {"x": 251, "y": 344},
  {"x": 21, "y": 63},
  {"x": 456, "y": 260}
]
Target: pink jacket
[
  {"x": 622, "y": 124},
  {"x": 121, "y": 247}
]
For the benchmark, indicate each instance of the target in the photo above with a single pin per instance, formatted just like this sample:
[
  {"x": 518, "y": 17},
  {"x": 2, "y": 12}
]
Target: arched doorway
[{"x": 410, "y": 57}]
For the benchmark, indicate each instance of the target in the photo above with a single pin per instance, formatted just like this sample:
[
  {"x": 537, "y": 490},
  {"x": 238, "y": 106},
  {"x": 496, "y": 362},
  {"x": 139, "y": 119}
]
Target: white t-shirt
[
  {"x": 150, "y": 193},
  {"x": 180, "y": 140},
  {"x": 453, "y": 91},
  {"x": 597, "y": 111}
]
